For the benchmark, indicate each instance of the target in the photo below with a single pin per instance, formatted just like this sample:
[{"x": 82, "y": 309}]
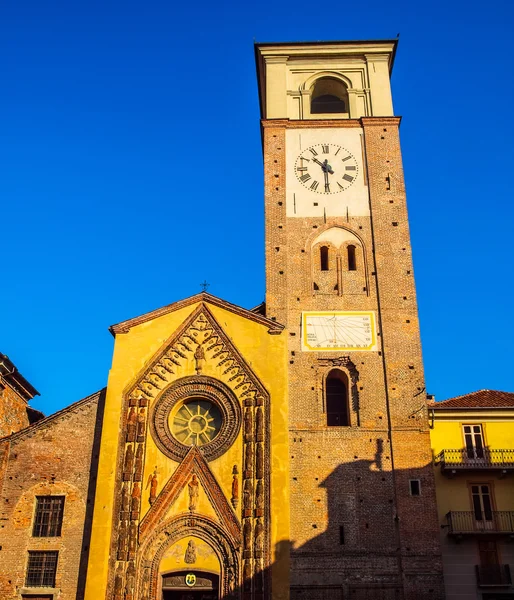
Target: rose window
[{"x": 196, "y": 422}]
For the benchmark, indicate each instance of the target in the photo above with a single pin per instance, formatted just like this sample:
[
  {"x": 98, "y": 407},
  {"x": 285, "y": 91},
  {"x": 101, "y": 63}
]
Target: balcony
[
  {"x": 483, "y": 459},
  {"x": 493, "y": 576},
  {"x": 465, "y": 523}
]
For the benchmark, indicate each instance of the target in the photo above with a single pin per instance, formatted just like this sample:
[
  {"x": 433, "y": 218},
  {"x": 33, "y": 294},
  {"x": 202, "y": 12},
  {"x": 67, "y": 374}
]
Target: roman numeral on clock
[
  {"x": 348, "y": 177},
  {"x": 305, "y": 177},
  {"x": 325, "y": 149},
  {"x": 346, "y": 158},
  {"x": 313, "y": 152},
  {"x": 314, "y": 185},
  {"x": 351, "y": 168}
]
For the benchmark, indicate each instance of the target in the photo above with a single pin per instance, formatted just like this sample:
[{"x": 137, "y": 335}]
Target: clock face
[
  {"x": 326, "y": 168},
  {"x": 338, "y": 330}
]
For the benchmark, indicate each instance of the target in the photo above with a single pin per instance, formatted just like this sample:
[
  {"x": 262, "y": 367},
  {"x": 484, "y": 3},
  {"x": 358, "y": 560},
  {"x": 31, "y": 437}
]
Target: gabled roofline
[
  {"x": 41, "y": 423},
  {"x": 447, "y": 406},
  {"x": 10, "y": 374},
  {"x": 125, "y": 326}
]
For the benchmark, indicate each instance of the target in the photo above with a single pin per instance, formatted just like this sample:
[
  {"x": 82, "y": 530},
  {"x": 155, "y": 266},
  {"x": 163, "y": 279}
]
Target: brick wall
[
  {"x": 56, "y": 456},
  {"x": 354, "y": 524}
]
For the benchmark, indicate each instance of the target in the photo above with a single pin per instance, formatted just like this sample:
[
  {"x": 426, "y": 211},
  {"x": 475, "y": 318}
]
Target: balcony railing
[
  {"x": 499, "y": 522},
  {"x": 493, "y": 575},
  {"x": 476, "y": 459}
]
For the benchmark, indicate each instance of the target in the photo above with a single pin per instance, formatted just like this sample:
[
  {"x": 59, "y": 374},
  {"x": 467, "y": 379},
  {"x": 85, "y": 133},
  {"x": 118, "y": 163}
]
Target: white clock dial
[
  {"x": 326, "y": 168},
  {"x": 338, "y": 330}
]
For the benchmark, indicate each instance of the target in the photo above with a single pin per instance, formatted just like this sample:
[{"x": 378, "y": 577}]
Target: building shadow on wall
[{"x": 370, "y": 536}]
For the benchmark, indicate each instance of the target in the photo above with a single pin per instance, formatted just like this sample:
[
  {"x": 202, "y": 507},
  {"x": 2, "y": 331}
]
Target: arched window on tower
[
  {"x": 352, "y": 262},
  {"x": 336, "y": 398},
  {"x": 323, "y": 258},
  {"x": 329, "y": 96}
]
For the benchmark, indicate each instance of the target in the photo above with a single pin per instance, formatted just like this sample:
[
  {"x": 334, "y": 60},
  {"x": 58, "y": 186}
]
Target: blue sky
[{"x": 105, "y": 105}]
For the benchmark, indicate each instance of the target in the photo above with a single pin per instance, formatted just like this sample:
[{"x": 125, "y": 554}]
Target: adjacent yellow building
[{"x": 473, "y": 444}]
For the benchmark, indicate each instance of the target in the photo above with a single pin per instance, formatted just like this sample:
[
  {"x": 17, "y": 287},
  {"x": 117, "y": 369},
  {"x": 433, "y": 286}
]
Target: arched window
[
  {"x": 323, "y": 258},
  {"x": 336, "y": 397},
  {"x": 352, "y": 262},
  {"x": 329, "y": 95}
]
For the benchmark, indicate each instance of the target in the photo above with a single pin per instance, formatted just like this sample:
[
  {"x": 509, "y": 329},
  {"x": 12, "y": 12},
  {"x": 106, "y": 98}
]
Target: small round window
[{"x": 196, "y": 422}]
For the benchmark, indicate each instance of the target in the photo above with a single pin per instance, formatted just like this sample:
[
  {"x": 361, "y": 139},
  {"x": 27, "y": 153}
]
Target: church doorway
[{"x": 190, "y": 585}]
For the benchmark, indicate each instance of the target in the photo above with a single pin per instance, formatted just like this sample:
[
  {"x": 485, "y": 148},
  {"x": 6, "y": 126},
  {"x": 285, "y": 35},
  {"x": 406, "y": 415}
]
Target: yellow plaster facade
[
  {"x": 261, "y": 346},
  {"x": 473, "y": 451}
]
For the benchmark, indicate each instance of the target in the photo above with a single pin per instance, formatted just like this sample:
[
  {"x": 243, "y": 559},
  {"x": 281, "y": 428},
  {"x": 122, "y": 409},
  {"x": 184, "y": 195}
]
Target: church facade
[{"x": 266, "y": 453}]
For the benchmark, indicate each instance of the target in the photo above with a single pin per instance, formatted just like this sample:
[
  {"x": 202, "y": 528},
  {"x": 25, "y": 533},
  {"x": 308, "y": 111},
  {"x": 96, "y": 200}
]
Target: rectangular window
[
  {"x": 415, "y": 487},
  {"x": 474, "y": 440},
  {"x": 41, "y": 569},
  {"x": 48, "y": 517}
]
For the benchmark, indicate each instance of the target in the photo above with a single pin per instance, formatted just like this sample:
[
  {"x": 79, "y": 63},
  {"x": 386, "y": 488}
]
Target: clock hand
[{"x": 326, "y": 167}]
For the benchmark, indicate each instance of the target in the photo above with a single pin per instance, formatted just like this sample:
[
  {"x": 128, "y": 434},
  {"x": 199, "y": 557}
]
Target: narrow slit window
[
  {"x": 323, "y": 257},
  {"x": 352, "y": 261}
]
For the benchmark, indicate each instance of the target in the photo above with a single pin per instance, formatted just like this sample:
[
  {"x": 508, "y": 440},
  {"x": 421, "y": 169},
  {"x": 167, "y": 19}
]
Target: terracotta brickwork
[
  {"x": 54, "y": 457},
  {"x": 354, "y": 524},
  {"x": 13, "y": 412}
]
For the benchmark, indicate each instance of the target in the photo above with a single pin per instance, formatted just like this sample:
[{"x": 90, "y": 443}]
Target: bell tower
[{"x": 339, "y": 277}]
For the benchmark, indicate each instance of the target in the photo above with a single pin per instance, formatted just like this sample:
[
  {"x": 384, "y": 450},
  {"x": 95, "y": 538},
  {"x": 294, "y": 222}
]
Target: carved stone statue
[
  {"x": 247, "y": 535},
  {"x": 190, "y": 557},
  {"x": 259, "y": 468},
  {"x": 248, "y": 459},
  {"x": 152, "y": 482},
  {"x": 132, "y": 542},
  {"x": 258, "y": 537},
  {"x": 131, "y": 425},
  {"x": 135, "y": 501},
  {"x": 131, "y": 579},
  {"x": 145, "y": 584},
  {"x": 138, "y": 466},
  {"x": 259, "y": 427},
  {"x": 247, "y": 574},
  {"x": 235, "y": 487},
  {"x": 247, "y": 494},
  {"x": 231, "y": 578},
  {"x": 248, "y": 424},
  {"x": 259, "y": 495},
  {"x": 141, "y": 425},
  {"x": 129, "y": 460},
  {"x": 199, "y": 359},
  {"x": 193, "y": 493},
  {"x": 125, "y": 500},
  {"x": 118, "y": 581},
  {"x": 122, "y": 540}
]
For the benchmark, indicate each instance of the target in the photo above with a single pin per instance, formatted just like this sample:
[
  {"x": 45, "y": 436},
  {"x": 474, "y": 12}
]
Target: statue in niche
[
  {"x": 138, "y": 467},
  {"x": 235, "y": 487},
  {"x": 247, "y": 574},
  {"x": 125, "y": 501},
  {"x": 141, "y": 425},
  {"x": 152, "y": 483},
  {"x": 118, "y": 581},
  {"x": 199, "y": 359},
  {"x": 259, "y": 493},
  {"x": 145, "y": 584},
  {"x": 260, "y": 461},
  {"x": 190, "y": 557},
  {"x": 259, "y": 536},
  {"x": 132, "y": 538},
  {"x": 247, "y": 535},
  {"x": 231, "y": 578},
  {"x": 247, "y": 494},
  {"x": 129, "y": 460},
  {"x": 122, "y": 540},
  {"x": 248, "y": 424},
  {"x": 131, "y": 425},
  {"x": 136, "y": 496},
  {"x": 131, "y": 579},
  {"x": 248, "y": 458},
  {"x": 259, "y": 424},
  {"x": 193, "y": 493}
]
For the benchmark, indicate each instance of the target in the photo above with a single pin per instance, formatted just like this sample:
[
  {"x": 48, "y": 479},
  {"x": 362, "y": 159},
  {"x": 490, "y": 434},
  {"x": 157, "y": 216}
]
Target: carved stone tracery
[{"x": 150, "y": 400}]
